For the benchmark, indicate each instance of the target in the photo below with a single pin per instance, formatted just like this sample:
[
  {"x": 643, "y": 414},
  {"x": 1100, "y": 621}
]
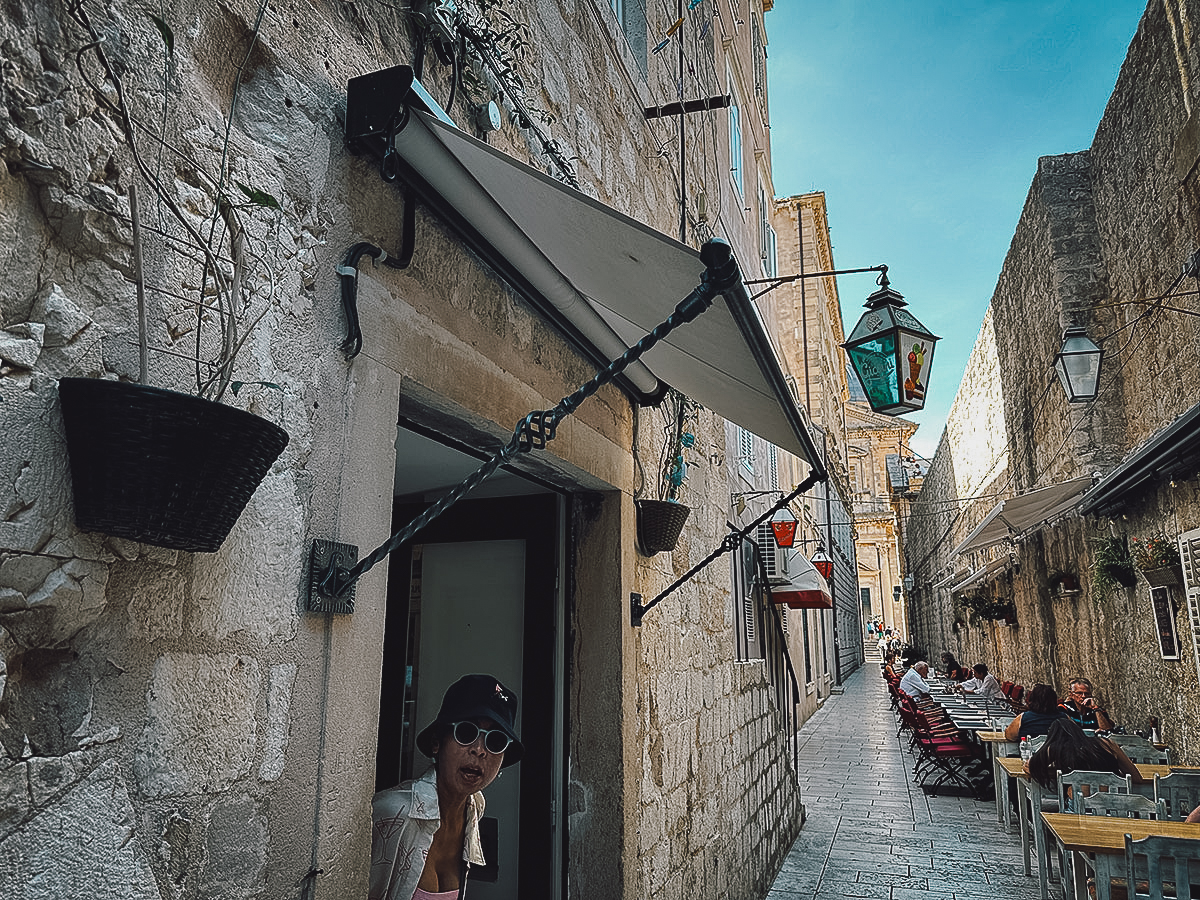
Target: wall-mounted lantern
[
  {"x": 891, "y": 352},
  {"x": 1078, "y": 365},
  {"x": 822, "y": 562},
  {"x": 783, "y": 526}
]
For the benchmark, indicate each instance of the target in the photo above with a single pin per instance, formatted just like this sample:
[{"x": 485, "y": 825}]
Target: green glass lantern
[{"x": 892, "y": 353}]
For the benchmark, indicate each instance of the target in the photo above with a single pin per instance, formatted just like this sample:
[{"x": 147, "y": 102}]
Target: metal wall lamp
[
  {"x": 1078, "y": 365},
  {"x": 890, "y": 350},
  {"x": 333, "y": 571},
  {"x": 822, "y": 562}
]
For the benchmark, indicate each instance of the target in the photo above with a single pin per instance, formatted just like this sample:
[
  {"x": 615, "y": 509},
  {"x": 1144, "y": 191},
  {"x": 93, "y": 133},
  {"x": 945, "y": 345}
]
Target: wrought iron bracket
[{"x": 328, "y": 592}]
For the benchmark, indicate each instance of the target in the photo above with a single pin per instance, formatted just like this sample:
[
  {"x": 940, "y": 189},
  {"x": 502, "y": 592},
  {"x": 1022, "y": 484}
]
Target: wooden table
[{"x": 1104, "y": 836}]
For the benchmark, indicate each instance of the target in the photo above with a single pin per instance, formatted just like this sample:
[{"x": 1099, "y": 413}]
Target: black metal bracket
[
  {"x": 325, "y": 593},
  {"x": 730, "y": 542}
]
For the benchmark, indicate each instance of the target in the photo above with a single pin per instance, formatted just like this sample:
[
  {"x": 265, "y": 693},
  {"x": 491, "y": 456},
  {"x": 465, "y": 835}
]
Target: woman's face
[{"x": 465, "y": 770}]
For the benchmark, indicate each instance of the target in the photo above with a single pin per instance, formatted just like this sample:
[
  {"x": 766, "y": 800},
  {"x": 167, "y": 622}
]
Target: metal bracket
[
  {"x": 636, "y": 610},
  {"x": 327, "y": 557}
]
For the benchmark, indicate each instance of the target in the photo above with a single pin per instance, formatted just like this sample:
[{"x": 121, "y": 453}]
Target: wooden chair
[
  {"x": 1140, "y": 750},
  {"x": 1072, "y": 788},
  {"x": 1180, "y": 791},
  {"x": 1150, "y": 877},
  {"x": 1114, "y": 804}
]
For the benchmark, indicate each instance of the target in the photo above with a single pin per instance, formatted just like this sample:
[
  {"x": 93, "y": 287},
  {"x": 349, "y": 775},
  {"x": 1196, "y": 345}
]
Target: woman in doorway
[{"x": 426, "y": 831}]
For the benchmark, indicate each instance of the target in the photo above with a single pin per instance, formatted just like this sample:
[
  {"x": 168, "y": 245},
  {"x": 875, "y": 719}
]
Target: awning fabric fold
[
  {"x": 803, "y": 587},
  {"x": 1017, "y": 516},
  {"x": 604, "y": 279}
]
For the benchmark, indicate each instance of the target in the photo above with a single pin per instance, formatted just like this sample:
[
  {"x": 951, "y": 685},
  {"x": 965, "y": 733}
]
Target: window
[
  {"x": 746, "y": 604},
  {"x": 759, "y": 50},
  {"x": 631, "y": 15},
  {"x": 773, "y": 452},
  {"x": 864, "y": 594},
  {"x": 735, "y": 136},
  {"x": 766, "y": 234},
  {"x": 746, "y": 449}
]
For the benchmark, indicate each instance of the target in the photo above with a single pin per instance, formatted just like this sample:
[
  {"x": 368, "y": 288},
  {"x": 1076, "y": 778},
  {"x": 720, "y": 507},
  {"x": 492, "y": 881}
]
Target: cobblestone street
[{"x": 871, "y": 833}]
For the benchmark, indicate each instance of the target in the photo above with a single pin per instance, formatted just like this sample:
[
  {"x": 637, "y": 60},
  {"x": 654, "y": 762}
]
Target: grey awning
[
  {"x": 605, "y": 279},
  {"x": 1019, "y": 515},
  {"x": 1173, "y": 452}
]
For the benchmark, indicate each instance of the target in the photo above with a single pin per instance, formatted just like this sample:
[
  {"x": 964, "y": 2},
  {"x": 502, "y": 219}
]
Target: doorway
[{"x": 477, "y": 590}]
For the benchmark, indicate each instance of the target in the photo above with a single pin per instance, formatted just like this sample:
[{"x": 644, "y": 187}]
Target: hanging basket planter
[
  {"x": 659, "y": 523},
  {"x": 1164, "y": 576},
  {"x": 161, "y": 467}
]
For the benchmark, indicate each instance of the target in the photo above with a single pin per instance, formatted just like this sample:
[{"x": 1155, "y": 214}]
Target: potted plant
[
  {"x": 1064, "y": 584},
  {"x": 155, "y": 465},
  {"x": 1112, "y": 565},
  {"x": 660, "y": 520},
  {"x": 1157, "y": 558}
]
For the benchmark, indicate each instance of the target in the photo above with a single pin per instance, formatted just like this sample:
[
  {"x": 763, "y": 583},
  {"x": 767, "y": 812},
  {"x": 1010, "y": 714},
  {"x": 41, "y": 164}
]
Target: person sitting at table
[
  {"x": 984, "y": 684},
  {"x": 1041, "y": 712},
  {"x": 954, "y": 669},
  {"x": 1068, "y": 749},
  {"x": 1081, "y": 706},
  {"x": 913, "y": 683},
  {"x": 889, "y": 667}
]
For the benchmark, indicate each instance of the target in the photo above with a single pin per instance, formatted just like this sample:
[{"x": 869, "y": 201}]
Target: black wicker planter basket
[
  {"x": 659, "y": 523},
  {"x": 161, "y": 467}
]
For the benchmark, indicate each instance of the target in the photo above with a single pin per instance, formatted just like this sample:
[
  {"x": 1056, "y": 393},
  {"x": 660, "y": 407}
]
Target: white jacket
[{"x": 405, "y": 818}]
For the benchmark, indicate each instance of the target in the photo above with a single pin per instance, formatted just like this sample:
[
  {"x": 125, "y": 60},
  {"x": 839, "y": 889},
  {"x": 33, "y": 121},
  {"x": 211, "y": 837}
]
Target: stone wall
[
  {"x": 172, "y": 724},
  {"x": 1102, "y": 236}
]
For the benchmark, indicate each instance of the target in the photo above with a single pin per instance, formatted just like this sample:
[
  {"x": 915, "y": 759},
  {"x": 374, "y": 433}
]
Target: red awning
[{"x": 804, "y": 587}]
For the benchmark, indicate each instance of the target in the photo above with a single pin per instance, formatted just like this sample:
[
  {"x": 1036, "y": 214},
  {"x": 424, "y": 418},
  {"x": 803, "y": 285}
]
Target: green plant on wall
[
  {"x": 1112, "y": 566},
  {"x": 1155, "y": 552}
]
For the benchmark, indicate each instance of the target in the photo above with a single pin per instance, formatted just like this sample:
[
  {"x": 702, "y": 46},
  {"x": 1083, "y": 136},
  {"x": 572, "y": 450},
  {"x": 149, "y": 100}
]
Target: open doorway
[{"x": 477, "y": 590}]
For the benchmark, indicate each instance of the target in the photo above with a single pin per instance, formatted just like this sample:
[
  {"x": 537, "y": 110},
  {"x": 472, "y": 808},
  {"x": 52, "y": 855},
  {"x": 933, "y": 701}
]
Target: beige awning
[
  {"x": 1018, "y": 516},
  {"x": 604, "y": 279}
]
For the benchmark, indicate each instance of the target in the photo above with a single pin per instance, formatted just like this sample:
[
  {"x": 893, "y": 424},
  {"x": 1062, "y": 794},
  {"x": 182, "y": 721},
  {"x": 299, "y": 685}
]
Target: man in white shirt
[
  {"x": 984, "y": 684},
  {"x": 913, "y": 683}
]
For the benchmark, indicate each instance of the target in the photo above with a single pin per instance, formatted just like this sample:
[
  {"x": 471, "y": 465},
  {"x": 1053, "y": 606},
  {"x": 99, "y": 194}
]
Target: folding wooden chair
[{"x": 1150, "y": 877}]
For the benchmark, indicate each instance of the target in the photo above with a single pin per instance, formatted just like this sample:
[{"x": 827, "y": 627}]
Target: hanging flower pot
[
  {"x": 659, "y": 523},
  {"x": 161, "y": 467},
  {"x": 1164, "y": 576}
]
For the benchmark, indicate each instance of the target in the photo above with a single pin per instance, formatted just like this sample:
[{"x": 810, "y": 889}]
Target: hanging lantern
[
  {"x": 822, "y": 562},
  {"x": 783, "y": 526},
  {"x": 891, "y": 352},
  {"x": 1078, "y": 366}
]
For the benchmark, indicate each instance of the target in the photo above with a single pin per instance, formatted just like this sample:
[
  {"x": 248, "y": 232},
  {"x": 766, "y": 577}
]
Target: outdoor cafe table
[
  {"x": 1104, "y": 836},
  {"x": 1029, "y": 797}
]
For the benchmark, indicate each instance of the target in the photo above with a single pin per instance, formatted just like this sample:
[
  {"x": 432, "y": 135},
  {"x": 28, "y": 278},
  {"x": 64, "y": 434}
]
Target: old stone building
[
  {"x": 878, "y": 447},
  {"x": 396, "y": 292},
  {"x": 1019, "y": 545}
]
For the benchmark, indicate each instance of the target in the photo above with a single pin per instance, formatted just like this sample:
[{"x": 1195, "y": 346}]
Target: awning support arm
[
  {"x": 330, "y": 581},
  {"x": 731, "y": 542}
]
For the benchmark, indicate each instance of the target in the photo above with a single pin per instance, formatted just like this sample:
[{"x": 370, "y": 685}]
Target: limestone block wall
[
  {"x": 171, "y": 724},
  {"x": 1103, "y": 233}
]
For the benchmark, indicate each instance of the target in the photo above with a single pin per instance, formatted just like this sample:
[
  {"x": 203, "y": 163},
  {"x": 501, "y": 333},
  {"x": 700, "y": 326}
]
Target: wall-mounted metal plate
[{"x": 326, "y": 554}]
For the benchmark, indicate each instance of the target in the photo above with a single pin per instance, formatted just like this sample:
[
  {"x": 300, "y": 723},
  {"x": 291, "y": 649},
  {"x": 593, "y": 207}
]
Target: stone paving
[{"x": 871, "y": 833}]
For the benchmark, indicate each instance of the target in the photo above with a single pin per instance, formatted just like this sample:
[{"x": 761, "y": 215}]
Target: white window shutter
[{"x": 1189, "y": 553}]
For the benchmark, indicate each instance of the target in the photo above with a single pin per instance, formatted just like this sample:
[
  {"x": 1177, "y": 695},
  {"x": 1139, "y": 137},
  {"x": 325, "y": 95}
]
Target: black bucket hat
[{"x": 476, "y": 697}]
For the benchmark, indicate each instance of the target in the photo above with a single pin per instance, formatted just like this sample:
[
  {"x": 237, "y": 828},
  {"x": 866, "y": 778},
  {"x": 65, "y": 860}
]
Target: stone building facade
[
  {"x": 180, "y": 725},
  {"x": 1100, "y": 244}
]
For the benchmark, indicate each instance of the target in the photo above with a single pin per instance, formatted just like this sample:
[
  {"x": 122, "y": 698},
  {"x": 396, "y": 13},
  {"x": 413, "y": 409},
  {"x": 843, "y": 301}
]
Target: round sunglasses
[{"x": 467, "y": 733}]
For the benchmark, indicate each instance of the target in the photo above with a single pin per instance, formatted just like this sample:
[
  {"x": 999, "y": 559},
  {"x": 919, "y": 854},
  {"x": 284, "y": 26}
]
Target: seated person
[
  {"x": 889, "y": 668},
  {"x": 1068, "y": 749},
  {"x": 1043, "y": 710},
  {"x": 913, "y": 683},
  {"x": 954, "y": 669},
  {"x": 984, "y": 684},
  {"x": 1082, "y": 708}
]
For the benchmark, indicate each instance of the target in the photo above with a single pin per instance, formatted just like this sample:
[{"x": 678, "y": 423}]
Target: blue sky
[{"x": 922, "y": 122}]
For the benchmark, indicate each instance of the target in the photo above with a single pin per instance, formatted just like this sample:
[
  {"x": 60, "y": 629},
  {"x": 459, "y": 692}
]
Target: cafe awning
[
  {"x": 1018, "y": 516},
  {"x": 1173, "y": 452},
  {"x": 604, "y": 279}
]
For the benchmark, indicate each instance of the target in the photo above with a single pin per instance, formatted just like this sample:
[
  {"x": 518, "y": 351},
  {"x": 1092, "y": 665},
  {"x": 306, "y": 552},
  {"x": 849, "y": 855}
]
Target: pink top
[{"x": 421, "y": 894}]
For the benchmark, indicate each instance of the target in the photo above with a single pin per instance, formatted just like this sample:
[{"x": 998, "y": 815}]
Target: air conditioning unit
[{"x": 775, "y": 558}]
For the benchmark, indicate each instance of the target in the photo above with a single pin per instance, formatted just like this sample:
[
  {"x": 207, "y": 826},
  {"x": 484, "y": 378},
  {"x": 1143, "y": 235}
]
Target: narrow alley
[{"x": 871, "y": 833}]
